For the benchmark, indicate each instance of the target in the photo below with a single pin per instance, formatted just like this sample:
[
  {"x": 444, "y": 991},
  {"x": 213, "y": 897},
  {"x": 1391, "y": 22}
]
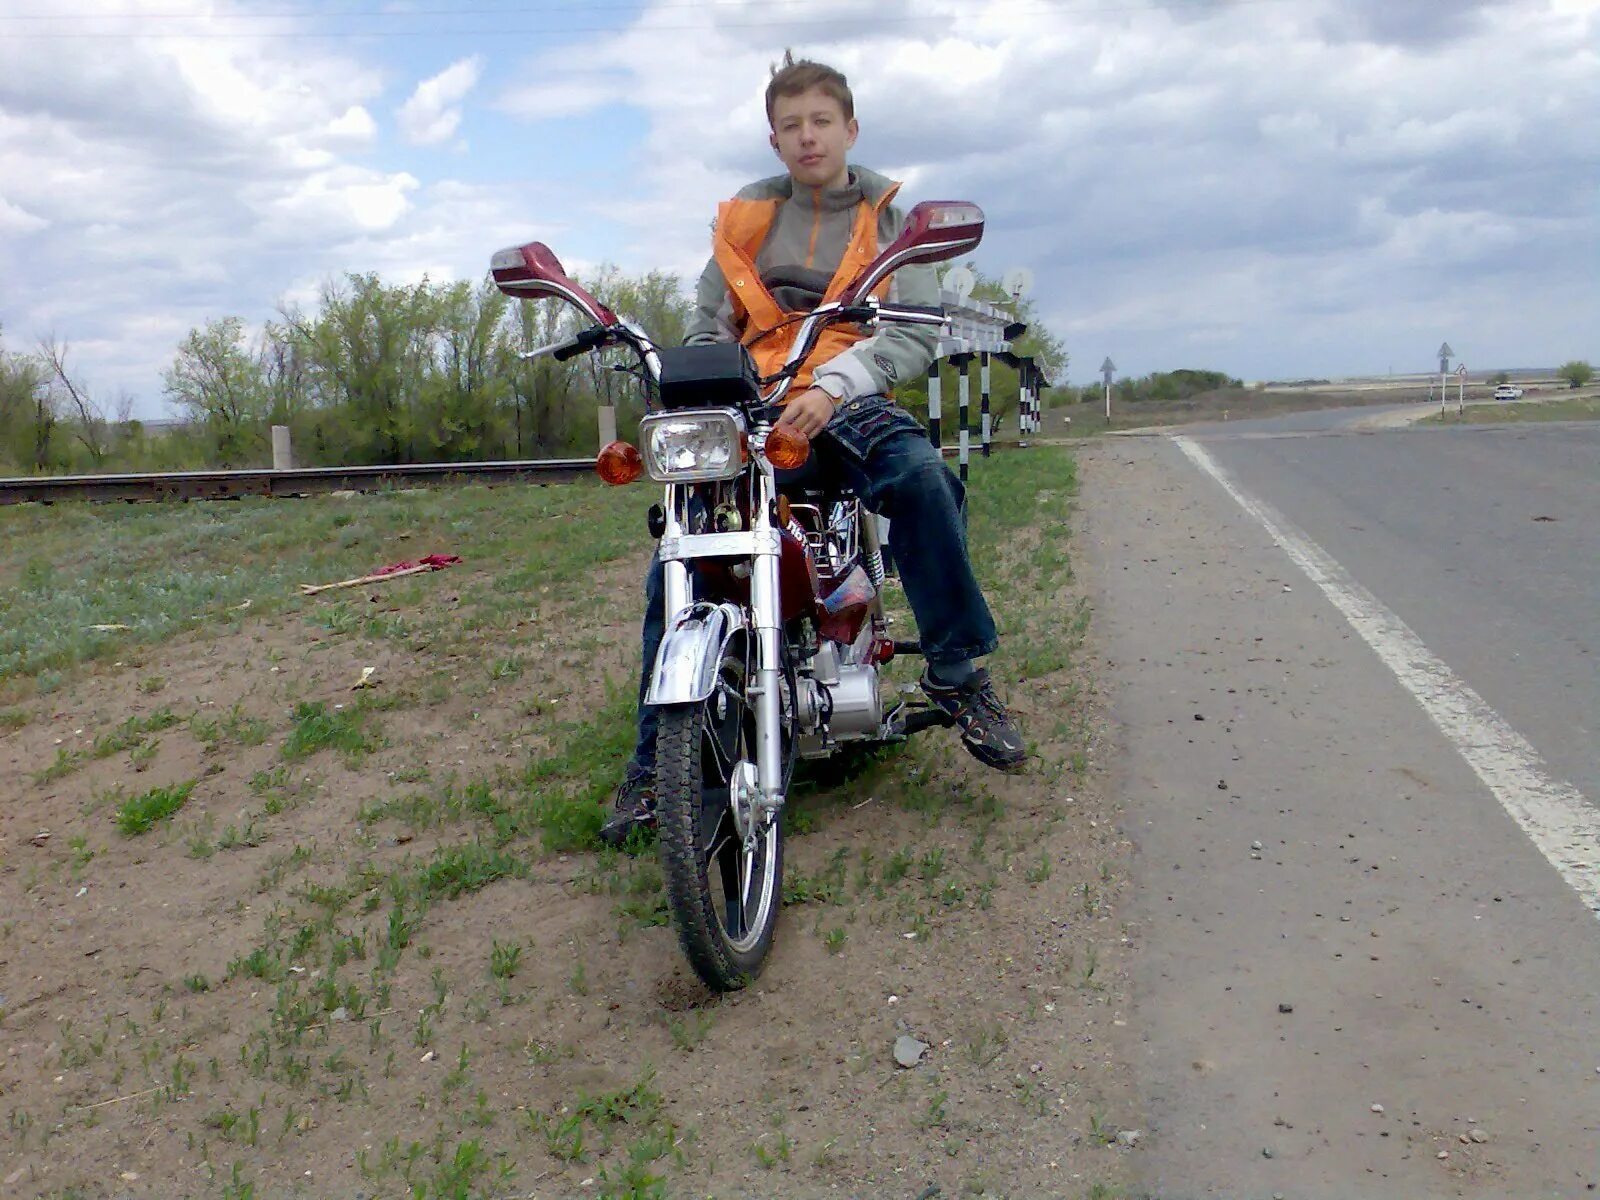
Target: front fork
[{"x": 765, "y": 620}]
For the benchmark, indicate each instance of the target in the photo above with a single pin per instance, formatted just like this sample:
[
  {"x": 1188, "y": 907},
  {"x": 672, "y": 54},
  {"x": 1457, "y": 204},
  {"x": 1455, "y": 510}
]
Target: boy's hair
[{"x": 792, "y": 78}]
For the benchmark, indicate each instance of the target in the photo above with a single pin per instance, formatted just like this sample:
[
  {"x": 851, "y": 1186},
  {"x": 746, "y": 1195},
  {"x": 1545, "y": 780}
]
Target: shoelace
[{"x": 986, "y": 703}]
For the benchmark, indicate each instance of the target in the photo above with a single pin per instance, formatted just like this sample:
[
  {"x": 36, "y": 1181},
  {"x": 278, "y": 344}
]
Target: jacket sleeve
[
  {"x": 896, "y": 353},
  {"x": 713, "y": 310}
]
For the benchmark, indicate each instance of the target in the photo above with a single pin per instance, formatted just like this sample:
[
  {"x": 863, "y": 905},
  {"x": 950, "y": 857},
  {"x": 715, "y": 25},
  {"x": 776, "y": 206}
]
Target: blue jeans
[{"x": 882, "y": 453}]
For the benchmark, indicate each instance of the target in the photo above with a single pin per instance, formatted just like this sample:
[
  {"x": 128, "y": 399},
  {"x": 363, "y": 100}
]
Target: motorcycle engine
[{"x": 845, "y": 695}]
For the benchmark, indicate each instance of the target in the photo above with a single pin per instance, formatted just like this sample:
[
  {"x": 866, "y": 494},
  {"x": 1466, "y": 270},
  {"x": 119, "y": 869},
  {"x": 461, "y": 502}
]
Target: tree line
[{"x": 376, "y": 373}]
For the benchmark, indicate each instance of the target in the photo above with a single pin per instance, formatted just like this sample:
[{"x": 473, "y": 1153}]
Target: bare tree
[{"x": 90, "y": 426}]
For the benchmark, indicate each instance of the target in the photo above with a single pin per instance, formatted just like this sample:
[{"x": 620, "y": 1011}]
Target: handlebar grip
[
  {"x": 582, "y": 344},
  {"x": 913, "y": 314}
]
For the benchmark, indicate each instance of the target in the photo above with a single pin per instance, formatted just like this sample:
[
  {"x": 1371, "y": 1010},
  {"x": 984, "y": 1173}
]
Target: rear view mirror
[
  {"x": 935, "y": 230},
  {"x": 533, "y": 271}
]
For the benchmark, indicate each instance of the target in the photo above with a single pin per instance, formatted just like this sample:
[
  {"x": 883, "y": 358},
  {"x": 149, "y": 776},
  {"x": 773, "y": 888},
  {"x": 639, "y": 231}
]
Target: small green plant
[
  {"x": 504, "y": 959},
  {"x": 779, "y": 1152},
  {"x": 1040, "y": 871},
  {"x": 509, "y": 667},
  {"x": 66, "y": 762},
  {"x": 897, "y": 867},
  {"x": 82, "y": 856},
  {"x": 934, "y": 1114},
  {"x": 138, "y": 813},
  {"x": 133, "y": 732},
  {"x": 317, "y": 727},
  {"x": 988, "y": 1043},
  {"x": 563, "y": 1139},
  {"x": 834, "y": 939},
  {"x": 688, "y": 1032}
]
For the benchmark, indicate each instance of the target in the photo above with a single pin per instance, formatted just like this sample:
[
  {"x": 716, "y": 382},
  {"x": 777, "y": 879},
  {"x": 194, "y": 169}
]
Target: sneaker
[
  {"x": 633, "y": 808},
  {"x": 987, "y": 730}
]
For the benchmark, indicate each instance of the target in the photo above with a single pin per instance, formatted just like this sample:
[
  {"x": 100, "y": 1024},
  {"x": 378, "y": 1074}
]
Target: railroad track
[{"x": 305, "y": 481}]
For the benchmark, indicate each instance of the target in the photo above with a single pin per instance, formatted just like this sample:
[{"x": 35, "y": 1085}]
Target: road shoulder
[{"x": 1332, "y": 913}]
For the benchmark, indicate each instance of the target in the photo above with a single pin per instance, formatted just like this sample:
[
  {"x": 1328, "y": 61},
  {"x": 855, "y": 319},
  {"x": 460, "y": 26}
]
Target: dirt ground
[{"x": 357, "y": 973}]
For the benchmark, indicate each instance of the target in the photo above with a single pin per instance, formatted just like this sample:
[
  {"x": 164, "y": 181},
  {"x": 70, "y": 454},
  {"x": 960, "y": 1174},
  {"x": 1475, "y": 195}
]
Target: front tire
[{"x": 724, "y": 888}]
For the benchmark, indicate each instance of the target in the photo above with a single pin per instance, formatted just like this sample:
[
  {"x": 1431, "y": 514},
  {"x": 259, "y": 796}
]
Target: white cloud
[
  {"x": 1269, "y": 189},
  {"x": 14, "y": 219},
  {"x": 1225, "y": 178},
  {"x": 353, "y": 127},
  {"x": 433, "y": 112}
]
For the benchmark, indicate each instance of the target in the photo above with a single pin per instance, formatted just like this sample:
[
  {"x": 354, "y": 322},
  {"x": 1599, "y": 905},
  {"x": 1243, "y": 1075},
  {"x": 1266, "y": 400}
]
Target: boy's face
[{"x": 811, "y": 135}]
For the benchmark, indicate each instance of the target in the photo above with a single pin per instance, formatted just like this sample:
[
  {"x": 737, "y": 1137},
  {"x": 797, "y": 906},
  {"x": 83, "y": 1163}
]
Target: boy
[{"x": 778, "y": 247}]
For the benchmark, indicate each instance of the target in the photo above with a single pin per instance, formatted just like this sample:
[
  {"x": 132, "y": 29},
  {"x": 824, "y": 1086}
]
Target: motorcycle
[{"x": 775, "y": 628}]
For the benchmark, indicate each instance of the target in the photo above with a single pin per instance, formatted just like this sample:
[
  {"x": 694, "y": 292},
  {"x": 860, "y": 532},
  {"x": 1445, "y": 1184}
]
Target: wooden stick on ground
[{"x": 311, "y": 589}]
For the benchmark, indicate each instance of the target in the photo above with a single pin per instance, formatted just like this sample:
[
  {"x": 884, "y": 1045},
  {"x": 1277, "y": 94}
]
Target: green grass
[
  {"x": 456, "y": 871},
  {"x": 162, "y": 569},
  {"x": 137, "y": 814},
  {"x": 1579, "y": 408},
  {"x": 132, "y": 733},
  {"x": 317, "y": 727}
]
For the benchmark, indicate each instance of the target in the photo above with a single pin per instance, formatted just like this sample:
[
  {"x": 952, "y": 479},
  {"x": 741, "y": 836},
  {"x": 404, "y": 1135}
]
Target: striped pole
[
  {"x": 963, "y": 364},
  {"x": 1031, "y": 400},
  {"x": 934, "y": 410},
  {"x": 1032, "y": 397},
  {"x": 983, "y": 399},
  {"x": 1025, "y": 419}
]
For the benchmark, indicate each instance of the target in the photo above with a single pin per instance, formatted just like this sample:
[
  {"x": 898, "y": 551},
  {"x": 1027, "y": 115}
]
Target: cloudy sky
[{"x": 1274, "y": 188}]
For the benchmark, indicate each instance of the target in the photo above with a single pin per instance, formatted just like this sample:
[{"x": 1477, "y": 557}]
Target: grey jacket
[{"x": 808, "y": 238}]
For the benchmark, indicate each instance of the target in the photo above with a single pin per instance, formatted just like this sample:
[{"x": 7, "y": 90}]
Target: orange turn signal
[
  {"x": 619, "y": 463},
  {"x": 787, "y": 448}
]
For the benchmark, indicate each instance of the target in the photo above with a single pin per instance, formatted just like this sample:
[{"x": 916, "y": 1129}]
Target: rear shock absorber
[{"x": 872, "y": 560}]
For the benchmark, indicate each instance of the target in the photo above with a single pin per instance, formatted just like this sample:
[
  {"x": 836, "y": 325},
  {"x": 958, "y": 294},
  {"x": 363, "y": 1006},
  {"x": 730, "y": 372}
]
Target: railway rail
[{"x": 302, "y": 481}]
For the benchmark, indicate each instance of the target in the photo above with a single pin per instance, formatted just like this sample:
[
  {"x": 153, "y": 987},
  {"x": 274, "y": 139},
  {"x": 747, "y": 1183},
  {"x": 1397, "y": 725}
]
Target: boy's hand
[{"x": 809, "y": 412}]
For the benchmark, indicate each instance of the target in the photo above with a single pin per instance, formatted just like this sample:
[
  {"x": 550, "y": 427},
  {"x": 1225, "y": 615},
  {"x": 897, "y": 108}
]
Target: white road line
[{"x": 1554, "y": 814}]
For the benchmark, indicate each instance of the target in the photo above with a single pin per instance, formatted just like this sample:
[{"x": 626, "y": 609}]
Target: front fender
[{"x": 691, "y": 652}]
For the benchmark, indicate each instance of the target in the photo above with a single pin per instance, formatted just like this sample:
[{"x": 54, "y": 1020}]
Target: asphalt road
[{"x": 1334, "y": 911}]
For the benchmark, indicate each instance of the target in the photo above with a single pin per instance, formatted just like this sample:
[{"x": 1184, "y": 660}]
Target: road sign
[
  {"x": 1107, "y": 368},
  {"x": 961, "y": 281},
  {"x": 1017, "y": 282},
  {"x": 1445, "y": 352}
]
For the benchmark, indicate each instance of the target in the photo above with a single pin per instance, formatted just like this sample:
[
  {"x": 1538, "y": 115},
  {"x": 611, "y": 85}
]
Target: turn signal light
[
  {"x": 619, "y": 463},
  {"x": 787, "y": 448}
]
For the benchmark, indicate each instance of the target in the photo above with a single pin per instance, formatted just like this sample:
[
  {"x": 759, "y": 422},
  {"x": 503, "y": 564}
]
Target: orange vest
[{"x": 742, "y": 226}]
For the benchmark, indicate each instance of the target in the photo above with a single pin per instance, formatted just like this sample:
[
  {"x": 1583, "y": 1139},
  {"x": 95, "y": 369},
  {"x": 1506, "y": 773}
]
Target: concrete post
[
  {"x": 282, "y": 454},
  {"x": 608, "y": 424}
]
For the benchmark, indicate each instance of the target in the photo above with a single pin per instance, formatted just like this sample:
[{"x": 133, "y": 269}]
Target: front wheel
[{"x": 722, "y": 860}]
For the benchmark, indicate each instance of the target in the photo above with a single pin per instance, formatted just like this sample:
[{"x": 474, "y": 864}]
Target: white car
[{"x": 1507, "y": 391}]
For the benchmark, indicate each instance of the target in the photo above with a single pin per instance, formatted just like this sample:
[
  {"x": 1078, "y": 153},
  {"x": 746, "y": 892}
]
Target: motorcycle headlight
[{"x": 689, "y": 446}]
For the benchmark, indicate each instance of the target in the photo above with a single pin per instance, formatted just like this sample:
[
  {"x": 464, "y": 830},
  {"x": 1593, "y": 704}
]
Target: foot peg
[
  {"x": 908, "y": 647},
  {"x": 914, "y": 720}
]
